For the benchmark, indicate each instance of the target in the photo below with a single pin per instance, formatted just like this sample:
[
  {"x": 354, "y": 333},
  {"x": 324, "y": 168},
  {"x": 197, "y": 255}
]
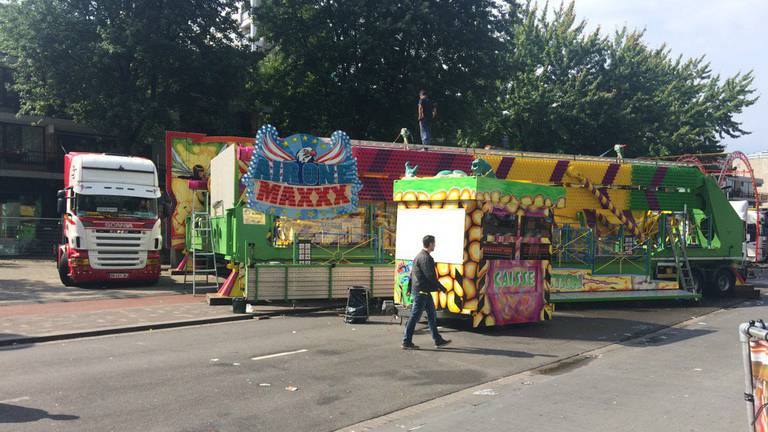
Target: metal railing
[
  {"x": 28, "y": 236},
  {"x": 606, "y": 254},
  {"x": 363, "y": 247},
  {"x": 52, "y": 161},
  {"x": 622, "y": 252},
  {"x": 572, "y": 246}
]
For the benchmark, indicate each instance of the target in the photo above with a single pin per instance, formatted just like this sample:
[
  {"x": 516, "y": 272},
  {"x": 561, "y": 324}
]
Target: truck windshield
[{"x": 112, "y": 205}]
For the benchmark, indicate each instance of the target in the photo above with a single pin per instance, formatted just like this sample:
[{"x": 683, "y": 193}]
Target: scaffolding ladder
[
  {"x": 202, "y": 247},
  {"x": 682, "y": 264}
]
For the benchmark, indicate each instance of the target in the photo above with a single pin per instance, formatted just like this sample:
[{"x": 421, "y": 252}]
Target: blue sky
[{"x": 733, "y": 34}]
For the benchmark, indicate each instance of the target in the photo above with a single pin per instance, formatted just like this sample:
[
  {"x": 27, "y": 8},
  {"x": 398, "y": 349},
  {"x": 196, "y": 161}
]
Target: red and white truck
[{"x": 111, "y": 227}]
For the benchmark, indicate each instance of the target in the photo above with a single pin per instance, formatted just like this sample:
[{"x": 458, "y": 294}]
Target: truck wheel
[
  {"x": 724, "y": 282},
  {"x": 64, "y": 272}
]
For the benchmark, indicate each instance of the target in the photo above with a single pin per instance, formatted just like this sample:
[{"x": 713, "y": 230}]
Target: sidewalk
[
  {"x": 37, "y": 281},
  {"x": 684, "y": 378},
  {"x": 30, "y": 323}
]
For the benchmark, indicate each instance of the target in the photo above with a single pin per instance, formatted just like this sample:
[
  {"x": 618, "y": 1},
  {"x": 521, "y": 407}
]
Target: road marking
[
  {"x": 18, "y": 399},
  {"x": 278, "y": 354}
]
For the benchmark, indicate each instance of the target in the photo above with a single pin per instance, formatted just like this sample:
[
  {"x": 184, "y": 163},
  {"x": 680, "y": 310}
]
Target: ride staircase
[
  {"x": 204, "y": 275},
  {"x": 685, "y": 275}
]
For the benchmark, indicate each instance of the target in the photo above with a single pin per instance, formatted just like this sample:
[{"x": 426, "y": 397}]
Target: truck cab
[{"x": 110, "y": 228}]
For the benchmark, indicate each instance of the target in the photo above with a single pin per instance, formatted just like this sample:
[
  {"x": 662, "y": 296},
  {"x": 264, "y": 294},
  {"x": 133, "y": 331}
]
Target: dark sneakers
[
  {"x": 442, "y": 343},
  {"x": 409, "y": 346}
]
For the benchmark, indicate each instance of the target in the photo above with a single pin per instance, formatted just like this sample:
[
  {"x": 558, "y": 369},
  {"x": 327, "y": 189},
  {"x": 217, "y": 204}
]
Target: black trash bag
[{"x": 357, "y": 307}]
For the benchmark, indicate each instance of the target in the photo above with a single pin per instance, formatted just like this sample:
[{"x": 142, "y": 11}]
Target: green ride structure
[{"x": 304, "y": 217}]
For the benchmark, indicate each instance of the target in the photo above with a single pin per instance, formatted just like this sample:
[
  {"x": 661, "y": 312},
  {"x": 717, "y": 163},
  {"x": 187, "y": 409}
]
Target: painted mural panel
[
  {"x": 759, "y": 355},
  {"x": 188, "y": 157},
  {"x": 578, "y": 280},
  {"x": 515, "y": 291}
]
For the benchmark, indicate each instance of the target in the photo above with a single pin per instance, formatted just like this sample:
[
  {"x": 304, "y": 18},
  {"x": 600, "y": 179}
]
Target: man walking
[
  {"x": 423, "y": 282},
  {"x": 427, "y": 112}
]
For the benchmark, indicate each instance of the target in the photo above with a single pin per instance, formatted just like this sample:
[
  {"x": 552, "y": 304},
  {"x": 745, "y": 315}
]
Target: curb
[{"x": 25, "y": 340}]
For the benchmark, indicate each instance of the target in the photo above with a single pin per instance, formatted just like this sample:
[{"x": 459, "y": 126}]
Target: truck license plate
[{"x": 118, "y": 275}]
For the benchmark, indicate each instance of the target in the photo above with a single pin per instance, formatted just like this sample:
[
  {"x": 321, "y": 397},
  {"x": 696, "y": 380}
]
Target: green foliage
[
  {"x": 131, "y": 68},
  {"x": 501, "y": 73},
  {"x": 575, "y": 91},
  {"x": 358, "y": 65}
]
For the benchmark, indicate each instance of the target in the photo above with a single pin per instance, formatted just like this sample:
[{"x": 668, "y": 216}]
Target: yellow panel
[
  {"x": 610, "y": 217},
  {"x": 494, "y": 161},
  {"x": 578, "y": 198},
  {"x": 593, "y": 171},
  {"x": 620, "y": 199},
  {"x": 624, "y": 176},
  {"x": 540, "y": 170},
  {"x": 533, "y": 170}
]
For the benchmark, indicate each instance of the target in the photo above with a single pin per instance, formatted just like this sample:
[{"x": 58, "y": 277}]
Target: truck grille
[{"x": 118, "y": 248}]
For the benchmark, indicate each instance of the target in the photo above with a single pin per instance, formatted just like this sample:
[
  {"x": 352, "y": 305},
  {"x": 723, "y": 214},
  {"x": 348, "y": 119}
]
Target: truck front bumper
[{"x": 83, "y": 274}]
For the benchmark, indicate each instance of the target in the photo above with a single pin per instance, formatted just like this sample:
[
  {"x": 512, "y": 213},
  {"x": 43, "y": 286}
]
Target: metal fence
[
  {"x": 285, "y": 282},
  {"x": 29, "y": 236},
  {"x": 613, "y": 253}
]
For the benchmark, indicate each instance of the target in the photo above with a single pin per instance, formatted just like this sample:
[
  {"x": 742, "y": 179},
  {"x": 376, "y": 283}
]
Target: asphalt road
[
  {"x": 217, "y": 378},
  {"x": 685, "y": 384}
]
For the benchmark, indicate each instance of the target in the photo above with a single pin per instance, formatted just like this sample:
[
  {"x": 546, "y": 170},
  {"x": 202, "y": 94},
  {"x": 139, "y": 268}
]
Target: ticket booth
[{"x": 493, "y": 244}]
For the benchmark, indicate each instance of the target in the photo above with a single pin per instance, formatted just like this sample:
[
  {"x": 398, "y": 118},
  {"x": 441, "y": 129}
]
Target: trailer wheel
[
  {"x": 64, "y": 271},
  {"x": 724, "y": 282}
]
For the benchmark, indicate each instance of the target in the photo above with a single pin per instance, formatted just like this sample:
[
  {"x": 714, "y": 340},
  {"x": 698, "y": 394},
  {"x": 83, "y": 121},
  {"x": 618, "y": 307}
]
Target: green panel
[
  {"x": 222, "y": 244},
  {"x": 677, "y": 177},
  {"x": 701, "y": 220},
  {"x": 728, "y": 228},
  {"x": 431, "y": 185},
  {"x": 683, "y": 177},
  {"x": 258, "y": 236},
  {"x": 673, "y": 201}
]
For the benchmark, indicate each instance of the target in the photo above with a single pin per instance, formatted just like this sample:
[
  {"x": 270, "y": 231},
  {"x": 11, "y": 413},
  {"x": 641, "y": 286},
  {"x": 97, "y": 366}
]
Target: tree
[
  {"x": 132, "y": 68},
  {"x": 575, "y": 91},
  {"x": 358, "y": 65}
]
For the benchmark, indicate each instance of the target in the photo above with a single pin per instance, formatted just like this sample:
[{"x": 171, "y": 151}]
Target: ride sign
[
  {"x": 302, "y": 176},
  {"x": 515, "y": 291}
]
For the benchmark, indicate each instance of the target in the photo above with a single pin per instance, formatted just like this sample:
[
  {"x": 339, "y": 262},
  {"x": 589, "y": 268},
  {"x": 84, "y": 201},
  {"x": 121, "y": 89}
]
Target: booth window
[
  {"x": 535, "y": 226},
  {"x": 499, "y": 235}
]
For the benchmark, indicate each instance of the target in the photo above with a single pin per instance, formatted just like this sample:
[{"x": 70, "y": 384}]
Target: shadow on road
[
  {"x": 488, "y": 352},
  {"x": 19, "y": 414},
  {"x": 586, "y": 328}
]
